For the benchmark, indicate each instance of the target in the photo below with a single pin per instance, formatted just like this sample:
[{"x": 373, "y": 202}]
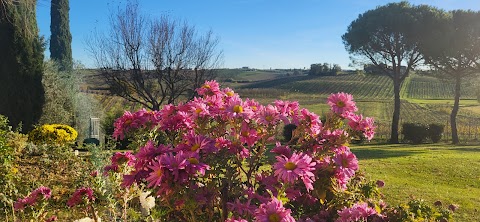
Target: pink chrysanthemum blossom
[
  {"x": 298, "y": 166},
  {"x": 273, "y": 211},
  {"x": 342, "y": 103},
  {"x": 346, "y": 160},
  {"x": 282, "y": 150},
  {"x": 194, "y": 166},
  {"x": 131, "y": 121},
  {"x": 209, "y": 88},
  {"x": 33, "y": 198},
  {"x": 248, "y": 135},
  {"x": 77, "y": 196},
  {"x": 335, "y": 138},
  {"x": 236, "y": 108},
  {"x": 198, "y": 108},
  {"x": 254, "y": 105},
  {"x": 268, "y": 182},
  {"x": 198, "y": 143},
  {"x": 229, "y": 94},
  {"x": 120, "y": 158},
  {"x": 364, "y": 125},
  {"x": 268, "y": 115},
  {"x": 241, "y": 208},
  {"x": 150, "y": 151},
  {"x": 288, "y": 111},
  {"x": 358, "y": 212},
  {"x": 312, "y": 122},
  {"x": 175, "y": 165},
  {"x": 157, "y": 175}
]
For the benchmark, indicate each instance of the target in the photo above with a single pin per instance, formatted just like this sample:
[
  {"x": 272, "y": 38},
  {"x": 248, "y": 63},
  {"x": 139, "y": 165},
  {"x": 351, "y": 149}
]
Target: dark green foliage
[
  {"x": 108, "y": 121},
  {"x": 288, "y": 131},
  {"x": 59, "y": 102},
  {"x": 324, "y": 69},
  {"x": 93, "y": 141},
  {"x": 435, "y": 132},
  {"x": 61, "y": 39},
  {"x": 21, "y": 64},
  {"x": 415, "y": 133}
]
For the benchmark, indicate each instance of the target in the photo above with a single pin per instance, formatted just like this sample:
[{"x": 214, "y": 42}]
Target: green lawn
[{"x": 432, "y": 172}]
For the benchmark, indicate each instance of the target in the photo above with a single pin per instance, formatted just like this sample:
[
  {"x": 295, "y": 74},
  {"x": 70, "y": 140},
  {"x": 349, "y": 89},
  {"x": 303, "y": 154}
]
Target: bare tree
[{"x": 153, "y": 61}]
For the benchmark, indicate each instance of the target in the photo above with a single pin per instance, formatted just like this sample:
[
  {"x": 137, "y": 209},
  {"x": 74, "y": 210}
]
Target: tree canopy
[
  {"x": 388, "y": 38},
  {"x": 61, "y": 39},
  {"x": 21, "y": 64},
  {"x": 453, "y": 49}
]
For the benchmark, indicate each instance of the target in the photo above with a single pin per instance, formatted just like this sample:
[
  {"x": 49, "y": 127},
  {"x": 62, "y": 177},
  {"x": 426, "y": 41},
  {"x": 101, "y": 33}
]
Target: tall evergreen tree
[
  {"x": 21, "y": 63},
  {"x": 61, "y": 39}
]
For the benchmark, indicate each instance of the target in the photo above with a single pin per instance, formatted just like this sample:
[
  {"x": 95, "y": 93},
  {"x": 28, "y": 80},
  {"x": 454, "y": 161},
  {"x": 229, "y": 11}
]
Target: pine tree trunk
[
  {"x": 396, "y": 110},
  {"x": 453, "y": 115}
]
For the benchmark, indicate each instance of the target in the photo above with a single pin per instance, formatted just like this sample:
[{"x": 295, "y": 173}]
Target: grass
[{"x": 430, "y": 171}]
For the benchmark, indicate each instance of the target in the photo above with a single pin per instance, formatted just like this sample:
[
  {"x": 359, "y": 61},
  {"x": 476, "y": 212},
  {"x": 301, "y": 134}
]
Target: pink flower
[
  {"x": 273, "y": 211},
  {"x": 198, "y": 143},
  {"x": 120, "y": 158},
  {"x": 335, "y": 138},
  {"x": 342, "y": 103},
  {"x": 20, "y": 204},
  {"x": 282, "y": 150},
  {"x": 198, "y": 108},
  {"x": 94, "y": 173},
  {"x": 358, "y": 212},
  {"x": 175, "y": 165},
  {"x": 364, "y": 125},
  {"x": 297, "y": 166},
  {"x": 311, "y": 121},
  {"x": 346, "y": 160},
  {"x": 248, "y": 135},
  {"x": 209, "y": 88},
  {"x": 156, "y": 176},
  {"x": 241, "y": 208},
  {"x": 346, "y": 164},
  {"x": 269, "y": 115},
  {"x": 77, "y": 196},
  {"x": 33, "y": 198},
  {"x": 149, "y": 151},
  {"x": 194, "y": 165},
  {"x": 288, "y": 109},
  {"x": 236, "y": 108},
  {"x": 268, "y": 182}
]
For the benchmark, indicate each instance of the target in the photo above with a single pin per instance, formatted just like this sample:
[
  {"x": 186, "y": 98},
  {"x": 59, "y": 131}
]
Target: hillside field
[{"x": 424, "y": 99}]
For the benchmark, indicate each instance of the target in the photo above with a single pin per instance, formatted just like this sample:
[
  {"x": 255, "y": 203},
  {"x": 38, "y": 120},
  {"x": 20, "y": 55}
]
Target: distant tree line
[{"x": 325, "y": 69}]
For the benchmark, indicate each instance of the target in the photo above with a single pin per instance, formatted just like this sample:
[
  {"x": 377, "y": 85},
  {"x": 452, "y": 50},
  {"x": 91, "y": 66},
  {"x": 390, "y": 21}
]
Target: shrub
[
  {"x": 435, "y": 132},
  {"x": 219, "y": 158},
  {"x": 53, "y": 134},
  {"x": 288, "y": 131},
  {"x": 415, "y": 133}
]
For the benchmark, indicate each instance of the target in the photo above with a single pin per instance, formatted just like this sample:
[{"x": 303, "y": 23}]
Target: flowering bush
[
  {"x": 218, "y": 158},
  {"x": 53, "y": 134}
]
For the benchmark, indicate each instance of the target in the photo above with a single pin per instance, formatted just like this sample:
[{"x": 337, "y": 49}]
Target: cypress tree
[
  {"x": 61, "y": 39},
  {"x": 21, "y": 63}
]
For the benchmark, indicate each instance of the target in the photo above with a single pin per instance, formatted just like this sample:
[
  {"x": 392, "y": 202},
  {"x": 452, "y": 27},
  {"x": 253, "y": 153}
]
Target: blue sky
[{"x": 256, "y": 33}]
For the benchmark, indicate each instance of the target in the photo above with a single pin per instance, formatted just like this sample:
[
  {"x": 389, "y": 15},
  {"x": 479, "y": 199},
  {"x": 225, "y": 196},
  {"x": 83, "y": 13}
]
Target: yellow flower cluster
[{"x": 58, "y": 134}]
